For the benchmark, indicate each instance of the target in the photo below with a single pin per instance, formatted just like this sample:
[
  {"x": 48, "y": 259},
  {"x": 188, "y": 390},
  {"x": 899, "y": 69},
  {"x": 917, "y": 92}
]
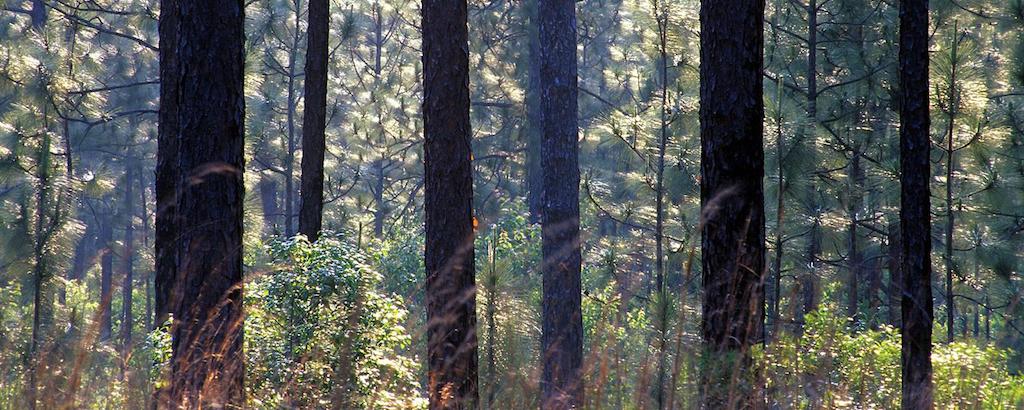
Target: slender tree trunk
[
  {"x": 448, "y": 203},
  {"x": 895, "y": 276},
  {"x": 661, "y": 16},
  {"x": 314, "y": 120},
  {"x": 129, "y": 270},
  {"x": 732, "y": 200},
  {"x": 106, "y": 277},
  {"x": 492, "y": 308},
  {"x": 915, "y": 208},
  {"x": 205, "y": 44},
  {"x": 148, "y": 276},
  {"x": 855, "y": 258},
  {"x": 268, "y": 201},
  {"x": 41, "y": 303},
  {"x": 289, "y": 166},
  {"x": 562, "y": 328},
  {"x": 952, "y": 102},
  {"x": 534, "y": 139}
]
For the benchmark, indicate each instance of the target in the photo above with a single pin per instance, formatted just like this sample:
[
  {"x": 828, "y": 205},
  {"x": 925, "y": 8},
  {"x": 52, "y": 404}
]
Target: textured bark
[
  {"x": 314, "y": 118},
  {"x": 206, "y": 50},
  {"x": 562, "y": 327},
  {"x": 166, "y": 236},
  {"x": 915, "y": 202},
  {"x": 448, "y": 203},
  {"x": 732, "y": 199}
]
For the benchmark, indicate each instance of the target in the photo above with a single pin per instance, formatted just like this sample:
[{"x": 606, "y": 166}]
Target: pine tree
[{"x": 448, "y": 205}]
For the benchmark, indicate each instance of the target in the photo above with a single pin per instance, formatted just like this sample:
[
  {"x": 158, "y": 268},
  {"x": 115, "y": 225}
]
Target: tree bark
[
  {"x": 562, "y": 327},
  {"x": 915, "y": 206},
  {"x": 448, "y": 203},
  {"x": 314, "y": 120},
  {"x": 205, "y": 44},
  {"x": 732, "y": 200},
  {"x": 167, "y": 174}
]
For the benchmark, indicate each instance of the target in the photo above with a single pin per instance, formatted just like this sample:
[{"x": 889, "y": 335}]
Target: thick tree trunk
[
  {"x": 732, "y": 200},
  {"x": 448, "y": 203},
  {"x": 314, "y": 118},
  {"x": 42, "y": 305},
  {"x": 167, "y": 174},
  {"x": 915, "y": 206},
  {"x": 562, "y": 328},
  {"x": 205, "y": 47}
]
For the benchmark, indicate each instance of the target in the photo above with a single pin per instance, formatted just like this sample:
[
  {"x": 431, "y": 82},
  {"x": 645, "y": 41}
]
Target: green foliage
[
  {"x": 319, "y": 329},
  {"x": 827, "y": 366}
]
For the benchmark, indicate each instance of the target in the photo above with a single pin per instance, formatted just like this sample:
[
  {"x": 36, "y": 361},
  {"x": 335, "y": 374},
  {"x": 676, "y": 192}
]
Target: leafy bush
[
  {"x": 319, "y": 331},
  {"x": 828, "y": 366}
]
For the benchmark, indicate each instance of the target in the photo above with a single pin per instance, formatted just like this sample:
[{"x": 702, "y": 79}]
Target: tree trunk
[
  {"x": 448, "y": 203},
  {"x": 951, "y": 102},
  {"x": 106, "y": 277},
  {"x": 289, "y": 165},
  {"x": 205, "y": 45},
  {"x": 895, "y": 276},
  {"x": 268, "y": 201},
  {"x": 314, "y": 118},
  {"x": 915, "y": 207},
  {"x": 128, "y": 258},
  {"x": 562, "y": 328},
  {"x": 661, "y": 16},
  {"x": 167, "y": 174},
  {"x": 41, "y": 303},
  {"x": 534, "y": 140},
  {"x": 855, "y": 258},
  {"x": 732, "y": 200}
]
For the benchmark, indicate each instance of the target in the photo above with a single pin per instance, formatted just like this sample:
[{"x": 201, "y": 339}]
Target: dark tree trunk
[
  {"x": 809, "y": 280},
  {"x": 562, "y": 328},
  {"x": 148, "y": 276},
  {"x": 128, "y": 258},
  {"x": 85, "y": 253},
  {"x": 268, "y": 201},
  {"x": 378, "y": 198},
  {"x": 42, "y": 305},
  {"x": 732, "y": 199},
  {"x": 106, "y": 277},
  {"x": 38, "y": 14},
  {"x": 855, "y": 258},
  {"x": 205, "y": 47},
  {"x": 874, "y": 286},
  {"x": 448, "y": 203},
  {"x": 167, "y": 174},
  {"x": 915, "y": 203},
  {"x": 314, "y": 118},
  {"x": 534, "y": 140},
  {"x": 895, "y": 276}
]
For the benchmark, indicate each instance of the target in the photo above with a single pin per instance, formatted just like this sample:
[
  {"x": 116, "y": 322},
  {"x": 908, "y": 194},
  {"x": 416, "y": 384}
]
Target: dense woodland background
[{"x": 343, "y": 320}]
